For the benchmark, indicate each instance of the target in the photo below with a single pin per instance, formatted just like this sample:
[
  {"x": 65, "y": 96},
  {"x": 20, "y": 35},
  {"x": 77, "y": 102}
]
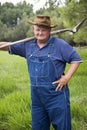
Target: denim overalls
[{"x": 48, "y": 105}]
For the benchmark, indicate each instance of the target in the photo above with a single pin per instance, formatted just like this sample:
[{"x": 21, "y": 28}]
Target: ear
[{"x": 32, "y": 28}]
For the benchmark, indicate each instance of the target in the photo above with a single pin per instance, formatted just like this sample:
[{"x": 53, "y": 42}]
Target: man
[{"x": 46, "y": 58}]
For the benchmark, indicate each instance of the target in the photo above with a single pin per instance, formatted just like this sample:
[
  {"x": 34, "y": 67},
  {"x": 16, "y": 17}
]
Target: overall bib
[{"x": 48, "y": 105}]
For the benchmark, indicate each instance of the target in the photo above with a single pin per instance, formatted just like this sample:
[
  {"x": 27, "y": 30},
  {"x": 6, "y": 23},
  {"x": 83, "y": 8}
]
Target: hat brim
[{"x": 35, "y": 23}]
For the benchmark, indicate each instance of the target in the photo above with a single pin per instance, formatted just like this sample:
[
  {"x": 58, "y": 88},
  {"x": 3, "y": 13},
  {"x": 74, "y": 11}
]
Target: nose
[{"x": 40, "y": 32}]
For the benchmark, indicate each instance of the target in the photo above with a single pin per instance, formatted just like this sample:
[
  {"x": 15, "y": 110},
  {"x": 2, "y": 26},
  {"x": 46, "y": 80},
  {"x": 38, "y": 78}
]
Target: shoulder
[
  {"x": 60, "y": 43},
  {"x": 29, "y": 43}
]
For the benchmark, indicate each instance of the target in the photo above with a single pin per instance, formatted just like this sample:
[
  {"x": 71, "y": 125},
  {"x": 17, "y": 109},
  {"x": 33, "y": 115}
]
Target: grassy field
[{"x": 15, "y": 113}]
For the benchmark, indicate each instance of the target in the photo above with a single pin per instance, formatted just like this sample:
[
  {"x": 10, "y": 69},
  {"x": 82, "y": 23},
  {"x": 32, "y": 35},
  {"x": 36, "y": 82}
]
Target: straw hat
[{"x": 42, "y": 20}]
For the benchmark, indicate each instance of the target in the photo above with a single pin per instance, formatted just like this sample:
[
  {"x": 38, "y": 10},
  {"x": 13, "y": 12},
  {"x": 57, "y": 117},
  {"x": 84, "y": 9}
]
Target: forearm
[
  {"x": 65, "y": 78},
  {"x": 72, "y": 69}
]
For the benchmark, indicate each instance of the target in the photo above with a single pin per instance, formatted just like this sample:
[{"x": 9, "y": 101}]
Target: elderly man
[{"x": 46, "y": 59}]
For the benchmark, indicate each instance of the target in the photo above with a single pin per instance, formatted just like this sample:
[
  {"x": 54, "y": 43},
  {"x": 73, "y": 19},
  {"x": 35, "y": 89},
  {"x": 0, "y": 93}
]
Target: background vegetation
[
  {"x": 14, "y": 26},
  {"x": 15, "y": 112}
]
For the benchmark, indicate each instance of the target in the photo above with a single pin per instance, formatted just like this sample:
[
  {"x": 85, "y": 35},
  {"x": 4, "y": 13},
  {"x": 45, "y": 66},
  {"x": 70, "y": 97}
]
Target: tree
[
  {"x": 14, "y": 20},
  {"x": 3, "y": 31},
  {"x": 10, "y": 13},
  {"x": 72, "y": 14}
]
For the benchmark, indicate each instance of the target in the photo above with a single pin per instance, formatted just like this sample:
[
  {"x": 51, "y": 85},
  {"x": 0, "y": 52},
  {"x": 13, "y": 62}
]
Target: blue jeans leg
[{"x": 40, "y": 119}]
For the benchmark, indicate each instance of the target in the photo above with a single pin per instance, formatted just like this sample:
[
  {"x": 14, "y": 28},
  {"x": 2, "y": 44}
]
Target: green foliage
[
  {"x": 14, "y": 26},
  {"x": 3, "y": 30},
  {"x": 72, "y": 14},
  {"x": 10, "y": 13},
  {"x": 15, "y": 112},
  {"x": 13, "y": 21},
  {"x": 79, "y": 94}
]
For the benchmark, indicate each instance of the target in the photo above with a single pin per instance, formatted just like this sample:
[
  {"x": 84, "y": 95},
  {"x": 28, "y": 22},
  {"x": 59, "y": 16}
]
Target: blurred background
[{"x": 15, "y": 101}]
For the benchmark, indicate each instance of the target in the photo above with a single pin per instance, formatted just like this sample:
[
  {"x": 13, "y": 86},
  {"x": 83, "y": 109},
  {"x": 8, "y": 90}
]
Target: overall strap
[
  {"x": 33, "y": 49},
  {"x": 51, "y": 47}
]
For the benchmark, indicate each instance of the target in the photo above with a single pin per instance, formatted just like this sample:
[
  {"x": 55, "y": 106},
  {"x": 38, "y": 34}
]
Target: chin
[{"x": 41, "y": 39}]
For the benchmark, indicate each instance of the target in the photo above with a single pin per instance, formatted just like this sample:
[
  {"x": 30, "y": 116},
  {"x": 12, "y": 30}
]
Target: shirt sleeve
[
  {"x": 18, "y": 49},
  {"x": 65, "y": 52},
  {"x": 69, "y": 54}
]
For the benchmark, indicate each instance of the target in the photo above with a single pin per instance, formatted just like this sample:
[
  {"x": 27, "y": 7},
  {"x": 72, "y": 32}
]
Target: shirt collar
[{"x": 48, "y": 42}]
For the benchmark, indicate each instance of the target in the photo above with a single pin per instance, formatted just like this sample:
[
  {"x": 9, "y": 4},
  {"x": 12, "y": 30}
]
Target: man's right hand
[{"x": 2, "y": 44}]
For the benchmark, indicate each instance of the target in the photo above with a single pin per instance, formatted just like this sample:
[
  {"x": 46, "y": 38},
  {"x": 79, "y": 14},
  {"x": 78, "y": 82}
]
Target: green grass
[
  {"x": 78, "y": 91},
  {"x": 15, "y": 101},
  {"x": 15, "y": 112}
]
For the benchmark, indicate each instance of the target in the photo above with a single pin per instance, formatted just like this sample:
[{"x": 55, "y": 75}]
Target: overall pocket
[{"x": 39, "y": 67}]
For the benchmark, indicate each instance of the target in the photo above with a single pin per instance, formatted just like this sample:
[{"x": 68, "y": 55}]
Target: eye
[
  {"x": 44, "y": 30},
  {"x": 37, "y": 30}
]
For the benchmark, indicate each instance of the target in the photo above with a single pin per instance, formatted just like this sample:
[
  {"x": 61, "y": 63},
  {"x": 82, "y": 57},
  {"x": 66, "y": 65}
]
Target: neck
[{"x": 42, "y": 43}]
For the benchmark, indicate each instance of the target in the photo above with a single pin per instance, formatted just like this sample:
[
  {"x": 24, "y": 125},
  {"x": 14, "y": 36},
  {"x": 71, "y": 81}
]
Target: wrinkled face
[{"x": 41, "y": 33}]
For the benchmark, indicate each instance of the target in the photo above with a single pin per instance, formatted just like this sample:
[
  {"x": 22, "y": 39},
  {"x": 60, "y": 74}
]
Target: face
[{"x": 41, "y": 33}]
